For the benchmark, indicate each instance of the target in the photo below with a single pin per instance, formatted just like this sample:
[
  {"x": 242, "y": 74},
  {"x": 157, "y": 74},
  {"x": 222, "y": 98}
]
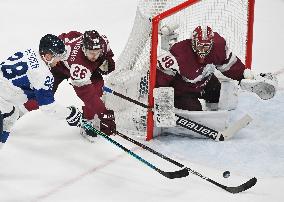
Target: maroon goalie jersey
[{"x": 181, "y": 69}]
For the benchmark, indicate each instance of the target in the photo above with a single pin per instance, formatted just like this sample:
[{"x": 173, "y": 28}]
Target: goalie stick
[
  {"x": 237, "y": 189},
  {"x": 171, "y": 175},
  {"x": 194, "y": 126}
]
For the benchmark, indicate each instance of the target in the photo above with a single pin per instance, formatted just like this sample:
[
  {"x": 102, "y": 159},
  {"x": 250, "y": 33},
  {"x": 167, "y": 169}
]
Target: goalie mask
[
  {"x": 92, "y": 45},
  {"x": 202, "y": 41}
]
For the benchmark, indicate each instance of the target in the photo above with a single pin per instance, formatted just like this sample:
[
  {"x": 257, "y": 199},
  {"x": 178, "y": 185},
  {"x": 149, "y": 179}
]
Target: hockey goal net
[{"x": 135, "y": 72}]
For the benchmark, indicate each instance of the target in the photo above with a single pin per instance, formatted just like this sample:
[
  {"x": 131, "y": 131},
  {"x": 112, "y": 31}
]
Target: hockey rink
[{"x": 45, "y": 160}]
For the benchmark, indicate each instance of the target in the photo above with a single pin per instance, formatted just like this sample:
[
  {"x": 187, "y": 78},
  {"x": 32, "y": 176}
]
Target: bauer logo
[{"x": 196, "y": 127}]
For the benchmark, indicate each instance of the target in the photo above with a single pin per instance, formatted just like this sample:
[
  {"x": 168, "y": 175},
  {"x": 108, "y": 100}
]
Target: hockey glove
[
  {"x": 263, "y": 84},
  {"x": 74, "y": 119},
  {"x": 107, "y": 124},
  {"x": 104, "y": 67}
]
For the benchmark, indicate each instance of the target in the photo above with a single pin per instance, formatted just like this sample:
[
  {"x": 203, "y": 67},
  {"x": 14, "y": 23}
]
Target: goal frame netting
[{"x": 155, "y": 20}]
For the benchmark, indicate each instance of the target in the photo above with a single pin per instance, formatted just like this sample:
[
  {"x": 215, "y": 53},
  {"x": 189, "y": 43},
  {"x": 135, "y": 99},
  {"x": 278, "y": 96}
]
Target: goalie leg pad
[
  {"x": 228, "y": 95},
  {"x": 164, "y": 107}
]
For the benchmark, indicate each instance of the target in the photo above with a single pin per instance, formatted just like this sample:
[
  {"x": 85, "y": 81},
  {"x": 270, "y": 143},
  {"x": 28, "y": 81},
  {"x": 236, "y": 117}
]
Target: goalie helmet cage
[{"x": 135, "y": 74}]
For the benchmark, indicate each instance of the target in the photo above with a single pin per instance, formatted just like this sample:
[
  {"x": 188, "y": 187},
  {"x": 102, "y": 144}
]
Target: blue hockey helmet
[{"x": 51, "y": 44}]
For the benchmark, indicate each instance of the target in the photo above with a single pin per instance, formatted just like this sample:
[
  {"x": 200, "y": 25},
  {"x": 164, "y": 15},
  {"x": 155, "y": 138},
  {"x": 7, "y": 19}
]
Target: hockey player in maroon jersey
[
  {"x": 189, "y": 67},
  {"x": 88, "y": 57}
]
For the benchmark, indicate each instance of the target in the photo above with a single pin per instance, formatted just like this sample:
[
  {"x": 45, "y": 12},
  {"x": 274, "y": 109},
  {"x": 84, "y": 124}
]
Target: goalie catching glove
[{"x": 263, "y": 84}]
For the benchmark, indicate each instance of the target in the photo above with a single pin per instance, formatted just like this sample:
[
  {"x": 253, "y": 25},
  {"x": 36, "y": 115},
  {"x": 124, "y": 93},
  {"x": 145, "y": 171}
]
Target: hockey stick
[
  {"x": 247, "y": 185},
  {"x": 171, "y": 175},
  {"x": 192, "y": 125}
]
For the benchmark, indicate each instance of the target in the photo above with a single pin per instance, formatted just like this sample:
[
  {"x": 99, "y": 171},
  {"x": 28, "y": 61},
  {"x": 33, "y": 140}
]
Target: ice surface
[{"x": 45, "y": 160}]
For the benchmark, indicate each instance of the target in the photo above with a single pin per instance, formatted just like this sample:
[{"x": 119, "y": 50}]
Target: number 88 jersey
[{"x": 25, "y": 70}]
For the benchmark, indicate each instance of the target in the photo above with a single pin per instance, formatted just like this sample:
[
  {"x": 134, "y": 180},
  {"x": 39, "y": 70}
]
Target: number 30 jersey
[{"x": 30, "y": 76}]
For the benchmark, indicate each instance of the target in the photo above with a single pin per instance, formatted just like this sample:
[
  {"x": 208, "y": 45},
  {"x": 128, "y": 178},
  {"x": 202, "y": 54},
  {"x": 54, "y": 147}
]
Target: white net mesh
[{"x": 227, "y": 17}]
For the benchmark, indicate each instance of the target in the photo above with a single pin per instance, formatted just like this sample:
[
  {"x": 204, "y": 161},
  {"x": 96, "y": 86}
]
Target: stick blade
[
  {"x": 247, "y": 185},
  {"x": 176, "y": 174},
  {"x": 234, "y": 128}
]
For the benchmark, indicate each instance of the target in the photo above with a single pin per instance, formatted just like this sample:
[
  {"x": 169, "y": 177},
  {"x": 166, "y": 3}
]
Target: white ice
[{"x": 44, "y": 160}]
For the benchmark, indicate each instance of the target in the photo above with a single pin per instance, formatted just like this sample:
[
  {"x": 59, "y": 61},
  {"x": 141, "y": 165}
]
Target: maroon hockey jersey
[
  {"x": 76, "y": 65},
  {"x": 85, "y": 75},
  {"x": 181, "y": 69}
]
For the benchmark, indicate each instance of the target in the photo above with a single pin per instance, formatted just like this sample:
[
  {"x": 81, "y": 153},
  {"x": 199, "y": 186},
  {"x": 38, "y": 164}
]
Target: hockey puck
[{"x": 226, "y": 174}]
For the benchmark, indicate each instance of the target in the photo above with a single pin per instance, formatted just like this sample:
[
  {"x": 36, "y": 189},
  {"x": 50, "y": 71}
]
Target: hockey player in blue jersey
[{"x": 26, "y": 75}]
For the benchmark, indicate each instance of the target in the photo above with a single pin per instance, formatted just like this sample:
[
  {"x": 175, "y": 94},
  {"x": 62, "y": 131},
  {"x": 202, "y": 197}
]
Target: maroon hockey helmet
[
  {"x": 202, "y": 40},
  {"x": 92, "y": 40}
]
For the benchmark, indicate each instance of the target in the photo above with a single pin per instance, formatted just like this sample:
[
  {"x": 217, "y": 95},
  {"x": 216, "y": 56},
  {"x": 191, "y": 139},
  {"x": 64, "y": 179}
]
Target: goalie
[{"x": 189, "y": 68}]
